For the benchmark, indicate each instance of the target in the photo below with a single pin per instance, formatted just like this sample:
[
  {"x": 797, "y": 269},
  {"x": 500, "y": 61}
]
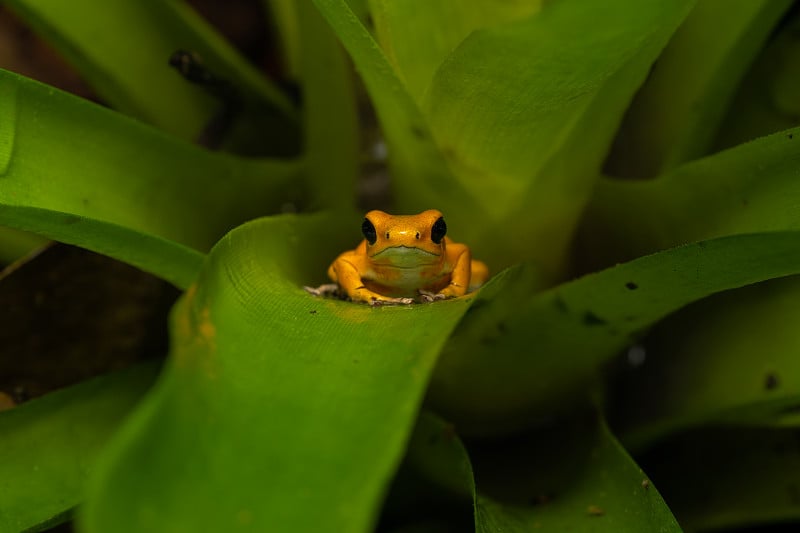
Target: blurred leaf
[
  {"x": 417, "y": 35},
  {"x": 517, "y": 357},
  {"x": 49, "y": 446},
  {"x": 141, "y": 197},
  {"x": 575, "y": 477},
  {"x": 143, "y": 85},
  {"x": 286, "y": 25},
  {"x": 729, "y": 479},
  {"x": 732, "y": 358},
  {"x": 747, "y": 189},
  {"x": 329, "y": 106},
  {"x": 677, "y": 112},
  {"x": 767, "y": 100},
  {"x": 537, "y": 165},
  {"x": 434, "y": 488},
  {"x": 279, "y": 410},
  {"x": 406, "y": 131}
]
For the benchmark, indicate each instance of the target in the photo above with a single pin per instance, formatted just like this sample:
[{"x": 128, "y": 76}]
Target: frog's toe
[
  {"x": 427, "y": 296},
  {"x": 325, "y": 290},
  {"x": 377, "y": 302}
]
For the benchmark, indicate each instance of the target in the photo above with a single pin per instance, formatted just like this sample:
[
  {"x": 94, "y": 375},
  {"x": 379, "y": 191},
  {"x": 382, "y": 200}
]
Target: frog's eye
[
  {"x": 438, "y": 230},
  {"x": 368, "y": 229}
]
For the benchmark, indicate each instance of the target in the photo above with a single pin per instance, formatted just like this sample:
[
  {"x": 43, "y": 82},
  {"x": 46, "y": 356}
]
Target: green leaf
[
  {"x": 417, "y": 35},
  {"x": 143, "y": 85},
  {"x": 570, "y": 477},
  {"x": 516, "y": 356},
  {"x": 141, "y": 195},
  {"x": 729, "y": 359},
  {"x": 767, "y": 100},
  {"x": 330, "y": 117},
  {"x": 676, "y": 113},
  {"x": 50, "y": 444},
  {"x": 537, "y": 164},
  {"x": 279, "y": 411},
  {"x": 575, "y": 477},
  {"x": 747, "y": 189},
  {"x": 730, "y": 479}
]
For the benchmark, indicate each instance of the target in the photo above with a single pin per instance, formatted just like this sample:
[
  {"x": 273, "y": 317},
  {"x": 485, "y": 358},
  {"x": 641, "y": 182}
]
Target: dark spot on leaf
[
  {"x": 560, "y": 304},
  {"x": 645, "y": 484},
  {"x": 771, "y": 381},
  {"x": 501, "y": 327},
  {"x": 631, "y": 286},
  {"x": 591, "y": 319},
  {"x": 369, "y": 22},
  {"x": 790, "y": 135},
  {"x": 313, "y": 312},
  {"x": 418, "y": 132}
]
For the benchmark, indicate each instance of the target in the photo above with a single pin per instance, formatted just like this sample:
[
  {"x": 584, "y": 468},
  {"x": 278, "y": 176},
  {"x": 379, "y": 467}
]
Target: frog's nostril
[
  {"x": 417, "y": 235},
  {"x": 387, "y": 234}
]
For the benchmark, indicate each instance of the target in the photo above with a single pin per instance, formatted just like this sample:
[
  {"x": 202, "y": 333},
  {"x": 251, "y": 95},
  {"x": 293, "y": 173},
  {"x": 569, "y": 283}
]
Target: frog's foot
[
  {"x": 326, "y": 290},
  {"x": 377, "y": 302},
  {"x": 427, "y": 296}
]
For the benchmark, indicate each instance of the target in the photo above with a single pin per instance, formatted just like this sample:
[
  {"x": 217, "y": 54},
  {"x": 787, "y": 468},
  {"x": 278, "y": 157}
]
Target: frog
[{"x": 404, "y": 257}]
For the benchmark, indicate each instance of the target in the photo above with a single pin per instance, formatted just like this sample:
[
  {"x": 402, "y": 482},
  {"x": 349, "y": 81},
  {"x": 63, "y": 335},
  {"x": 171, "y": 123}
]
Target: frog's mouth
[{"x": 405, "y": 257}]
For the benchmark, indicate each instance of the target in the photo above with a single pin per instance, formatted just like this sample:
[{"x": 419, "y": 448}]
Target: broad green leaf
[
  {"x": 747, "y": 189},
  {"x": 143, "y": 85},
  {"x": 167, "y": 196},
  {"x": 521, "y": 140},
  {"x": 730, "y": 479},
  {"x": 278, "y": 411},
  {"x": 517, "y": 356},
  {"x": 767, "y": 100},
  {"x": 518, "y": 140},
  {"x": 173, "y": 262},
  {"x": 49, "y": 446},
  {"x": 575, "y": 477},
  {"x": 330, "y": 116},
  {"x": 729, "y": 359},
  {"x": 417, "y": 35},
  {"x": 675, "y": 115}
]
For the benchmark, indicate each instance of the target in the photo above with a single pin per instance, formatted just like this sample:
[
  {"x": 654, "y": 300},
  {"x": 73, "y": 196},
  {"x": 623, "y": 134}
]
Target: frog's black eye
[
  {"x": 368, "y": 229},
  {"x": 438, "y": 230}
]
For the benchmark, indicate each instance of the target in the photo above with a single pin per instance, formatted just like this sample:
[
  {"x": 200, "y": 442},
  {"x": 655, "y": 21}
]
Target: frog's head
[{"x": 405, "y": 241}]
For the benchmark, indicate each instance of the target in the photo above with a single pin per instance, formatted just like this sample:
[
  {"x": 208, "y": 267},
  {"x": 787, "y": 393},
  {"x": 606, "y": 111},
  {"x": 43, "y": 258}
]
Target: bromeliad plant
[{"x": 278, "y": 411}]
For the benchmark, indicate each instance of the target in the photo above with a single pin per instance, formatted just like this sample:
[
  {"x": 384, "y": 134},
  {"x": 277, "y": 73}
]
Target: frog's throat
[
  {"x": 402, "y": 250},
  {"x": 405, "y": 257}
]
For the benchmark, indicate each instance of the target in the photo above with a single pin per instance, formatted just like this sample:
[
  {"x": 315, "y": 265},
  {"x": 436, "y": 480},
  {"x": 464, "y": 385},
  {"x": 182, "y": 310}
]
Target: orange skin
[{"x": 405, "y": 261}]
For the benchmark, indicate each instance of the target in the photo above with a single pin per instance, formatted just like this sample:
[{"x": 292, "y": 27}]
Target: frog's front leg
[
  {"x": 346, "y": 274},
  {"x": 459, "y": 278}
]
